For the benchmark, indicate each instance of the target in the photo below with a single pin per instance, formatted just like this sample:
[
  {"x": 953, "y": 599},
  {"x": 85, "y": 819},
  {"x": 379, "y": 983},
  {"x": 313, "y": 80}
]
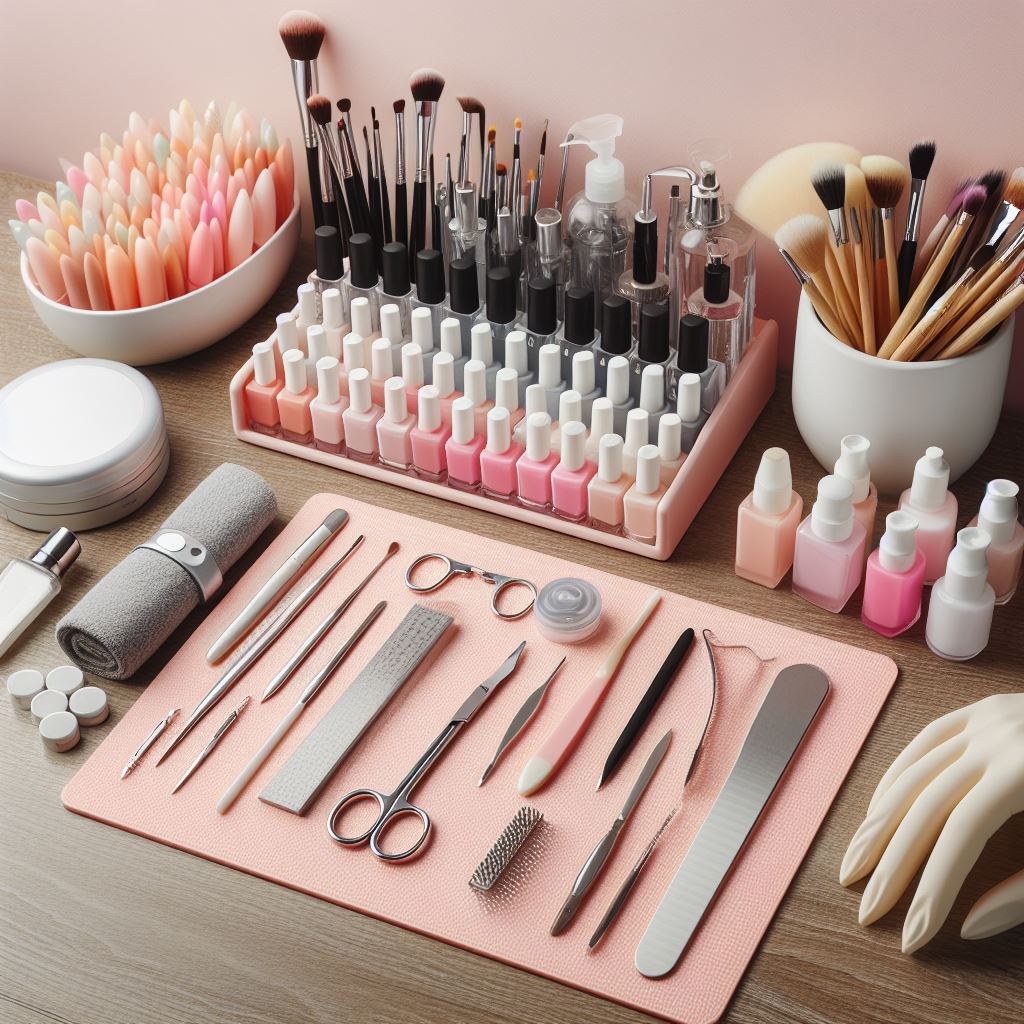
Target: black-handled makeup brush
[
  {"x": 373, "y": 181},
  {"x": 401, "y": 191},
  {"x": 336, "y": 215},
  {"x": 427, "y": 86},
  {"x": 921, "y": 158},
  {"x": 303, "y": 34},
  {"x": 359, "y": 216},
  {"x": 382, "y": 179},
  {"x": 345, "y": 106},
  {"x": 644, "y": 710}
]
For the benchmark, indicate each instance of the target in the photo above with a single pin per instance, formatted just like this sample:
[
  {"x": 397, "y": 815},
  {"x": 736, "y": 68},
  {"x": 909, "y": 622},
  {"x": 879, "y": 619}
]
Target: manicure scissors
[
  {"x": 392, "y": 806},
  {"x": 450, "y": 568}
]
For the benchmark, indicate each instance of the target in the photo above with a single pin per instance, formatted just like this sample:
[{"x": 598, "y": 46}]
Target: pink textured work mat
[{"x": 431, "y": 894}]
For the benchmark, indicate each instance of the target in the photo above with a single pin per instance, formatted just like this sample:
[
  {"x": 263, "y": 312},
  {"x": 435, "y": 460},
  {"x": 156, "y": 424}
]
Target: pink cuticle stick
[{"x": 561, "y": 741}]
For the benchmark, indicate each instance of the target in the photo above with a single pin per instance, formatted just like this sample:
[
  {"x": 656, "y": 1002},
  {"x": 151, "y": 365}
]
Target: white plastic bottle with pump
[{"x": 599, "y": 220}]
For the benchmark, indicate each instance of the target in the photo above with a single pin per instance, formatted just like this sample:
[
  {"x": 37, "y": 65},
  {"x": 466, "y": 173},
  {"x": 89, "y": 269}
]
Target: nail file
[
  {"x": 780, "y": 725},
  {"x": 302, "y": 777}
]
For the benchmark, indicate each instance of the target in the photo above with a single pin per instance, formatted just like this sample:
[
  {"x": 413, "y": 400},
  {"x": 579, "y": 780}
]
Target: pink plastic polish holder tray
[
  {"x": 431, "y": 894},
  {"x": 744, "y": 398}
]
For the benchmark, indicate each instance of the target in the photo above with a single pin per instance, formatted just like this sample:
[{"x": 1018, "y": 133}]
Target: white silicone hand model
[{"x": 953, "y": 786}]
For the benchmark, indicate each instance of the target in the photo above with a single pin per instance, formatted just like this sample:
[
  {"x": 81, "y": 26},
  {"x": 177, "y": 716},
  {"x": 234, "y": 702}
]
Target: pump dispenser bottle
[
  {"x": 998, "y": 518},
  {"x": 935, "y": 508},
  {"x": 599, "y": 220},
  {"x": 767, "y": 522},
  {"x": 854, "y": 466},
  {"x": 894, "y": 578},
  {"x": 962, "y": 601},
  {"x": 616, "y": 337},
  {"x": 828, "y": 560}
]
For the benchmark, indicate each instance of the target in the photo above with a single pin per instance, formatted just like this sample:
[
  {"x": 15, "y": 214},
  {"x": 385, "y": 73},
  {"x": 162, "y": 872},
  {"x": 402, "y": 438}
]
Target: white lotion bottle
[{"x": 962, "y": 601}]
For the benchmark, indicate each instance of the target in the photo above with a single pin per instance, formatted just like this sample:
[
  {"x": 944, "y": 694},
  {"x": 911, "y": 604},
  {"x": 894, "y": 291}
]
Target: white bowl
[
  {"x": 901, "y": 408},
  {"x": 178, "y": 327}
]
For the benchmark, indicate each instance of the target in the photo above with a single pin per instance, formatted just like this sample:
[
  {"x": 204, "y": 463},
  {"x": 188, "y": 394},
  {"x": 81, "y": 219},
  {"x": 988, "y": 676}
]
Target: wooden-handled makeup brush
[
  {"x": 803, "y": 242},
  {"x": 941, "y": 226},
  {"x": 893, "y": 347},
  {"x": 829, "y": 182},
  {"x": 867, "y": 313},
  {"x": 426, "y": 86},
  {"x": 886, "y": 179},
  {"x": 993, "y": 182},
  {"x": 1006, "y": 213},
  {"x": 922, "y": 156},
  {"x": 303, "y": 34},
  {"x": 401, "y": 193},
  {"x": 1008, "y": 302}
]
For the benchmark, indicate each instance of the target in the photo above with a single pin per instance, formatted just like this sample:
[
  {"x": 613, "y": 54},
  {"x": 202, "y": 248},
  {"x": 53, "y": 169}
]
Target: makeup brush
[
  {"x": 449, "y": 189},
  {"x": 892, "y": 348},
  {"x": 382, "y": 179},
  {"x": 470, "y": 105},
  {"x": 803, "y": 241},
  {"x": 993, "y": 182},
  {"x": 858, "y": 205},
  {"x": 540, "y": 161},
  {"x": 922, "y": 156},
  {"x": 401, "y": 194},
  {"x": 886, "y": 179},
  {"x": 358, "y": 212},
  {"x": 373, "y": 183},
  {"x": 517, "y": 172},
  {"x": 1007, "y": 303},
  {"x": 487, "y": 186},
  {"x": 938, "y": 231},
  {"x": 303, "y": 34},
  {"x": 427, "y": 86},
  {"x": 560, "y": 193},
  {"x": 345, "y": 108},
  {"x": 1006, "y": 212},
  {"x": 319, "y": 107},
  {"x": 533, "y": 201},
  {"x": 829, "y": 182}
]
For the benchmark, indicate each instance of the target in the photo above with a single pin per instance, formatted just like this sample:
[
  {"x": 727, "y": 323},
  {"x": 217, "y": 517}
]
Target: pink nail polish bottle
[
  {"x": 828, "y": 562},
  {"x": 474, "y": 384},
  {"x": 998, "y": 518},
  {"x": 894, "y": 578},
  {"x": 640, "y": 503},
  {"x": 412, "y": 374},
  {"x": 670, "y": 446},
  {"x": 380, "y": 369},
  {"x": 767, "y": 522},
  {"x": 293, "y": 402},
  {"x": 443, "y": 378},
  {"x": 636, "y": 437},
  {"x": 534, "y": 468},
  {"x": 570, "y": 477},
  {"x": 451, "y": 342},
  {"x": 499, "y": 459},
  {"x": 853, "y": 464},
  {"x": 535, "y": 401},
  {"x": 429, "y": 436},
  {"x": 327, "y": 409},
  {"x": 481, "y": 342},
  {"x": 334, "y": 321},
  {"x": 506, "y": 394},
  {"x": 606, "y": 491},
  {"x": 464, "y": 448},
  {"x": 354, "y": 357},
  {"x": 360, "y": 418},
  {"x": 261, "y": 392},
  {"x": 934, "y": 507},
  {"x": 962, "y": 601},
  {"x": 394, "y": 428}
]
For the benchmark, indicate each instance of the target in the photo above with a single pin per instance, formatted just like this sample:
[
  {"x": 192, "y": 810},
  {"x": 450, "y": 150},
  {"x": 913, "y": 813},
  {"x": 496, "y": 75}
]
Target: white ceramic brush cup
[{"x": 901, "y": 408}]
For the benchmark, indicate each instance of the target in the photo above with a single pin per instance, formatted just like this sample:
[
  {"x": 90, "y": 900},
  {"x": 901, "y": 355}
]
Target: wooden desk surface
[{"x": 101, "y": 927}]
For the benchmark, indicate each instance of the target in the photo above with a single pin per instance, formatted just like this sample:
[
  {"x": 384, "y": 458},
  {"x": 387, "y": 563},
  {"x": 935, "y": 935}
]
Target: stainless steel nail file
[
  {"x": 302, "y": 777},
  {"x": 783, "y": 718}
]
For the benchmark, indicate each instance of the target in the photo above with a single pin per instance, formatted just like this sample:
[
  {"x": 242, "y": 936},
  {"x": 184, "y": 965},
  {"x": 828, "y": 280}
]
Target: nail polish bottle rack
[{"x": 741, "y": 403}]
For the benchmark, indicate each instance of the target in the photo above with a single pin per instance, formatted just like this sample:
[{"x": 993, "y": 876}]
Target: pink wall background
[{"x": 878, "y": 75}]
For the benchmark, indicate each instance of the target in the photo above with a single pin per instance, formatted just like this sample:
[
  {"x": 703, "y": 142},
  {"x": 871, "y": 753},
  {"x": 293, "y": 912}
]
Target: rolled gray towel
[{"x": 122, "y": 621}]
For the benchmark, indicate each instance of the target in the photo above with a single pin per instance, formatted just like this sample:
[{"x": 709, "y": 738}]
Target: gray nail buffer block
[
  {"x": 130, "y": 612},
  {"x": 303, "y": 776}
]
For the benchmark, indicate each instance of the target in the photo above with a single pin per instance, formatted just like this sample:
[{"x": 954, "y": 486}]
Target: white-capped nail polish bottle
[
  {"x": 421, "y": 323},
  {"x": 670, "y": 439},
  {"x": 962, "y": 601},
  {"x": 602, "y": 421},
  {"x": 481, "y": 343},
  {"x": 327, "y": 409},
  {"x": 998, "y": 518},
  {"x": 617, "y": 390},
  {"x": 451, "y": 342},
  {"x": 637, "y": 432},
  {"x": 583, "y": 381},
  {"x": 517, "y": 357},
  {"x": 549, "y": 376}
]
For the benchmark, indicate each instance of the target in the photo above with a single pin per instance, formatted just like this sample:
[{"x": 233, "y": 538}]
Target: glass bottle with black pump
[
  {"x": 361, "y": 281},
  {"x": 541, "y": 324},
  {"x": 329, "y": 266},
  {"x": 722, "y": 308},
  {"x": 692, "y": 357},
  {"x": 651, "y": 345},
  {"x": 500, "y": 311},
  {"x": 395, "y": 285},
  {"x": 616, "y": 337},
  {"x": 430, "y": 291},
  {"x": 577, "y": 333},
  {"x": 463, "y": 298}
]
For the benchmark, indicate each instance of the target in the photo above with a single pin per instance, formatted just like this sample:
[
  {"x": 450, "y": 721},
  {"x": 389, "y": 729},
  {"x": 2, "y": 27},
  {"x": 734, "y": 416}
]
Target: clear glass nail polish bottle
[
  {"x": 616, "y": 338},
  {"x": 262, "y": 390},
  {"x": 430, "y": 290},
  {"x": 640, "y": 504},
  {"x": 395, "y": 287},
  {"x": 517, "y": 358},
  {"x": 28, "y": 585},
  {"x": 934, "y": 506},
  {"x": 482, "y": 349},
  {"x": 584, "y": 382},
  {"x": 541, "y": 322},
  {"x": 362, "y": 281},
  {"x": 394, "y": 428},
  {"x": 329, "y": 263},
  {"x": 549, "y": 376},
  {"x": 500, "y": 312},
  {"x": 617, "y": 388},
  {"x": 652, "y": 397},
  {"x": 689, "y": 410},
  {"x": 652, "y": 343},
  {"x": 962, "y": 601},
  {"x": 998, "y": 518},
  {"x": 767, "y": 522},
  {"x": 463, "y": 302},
  {"x": 692, "y": 357},
  {"x": 360, "y": 418},
  {"x": 854, "y": 466},
  {"x": 327, "y": 409},
  {"x": 293, "y": 401},
  {"x": 577, "y": 333},
  {"x": 569, "y": 479},
  {"x": 464, "y": 447},
  {"x": 828, "y": 562},
  {"x": 670, "y": 446},
  {"x": 602, "y": 421},
  {"x": 607, "y": 490},
  {"x": 498, "y": 460},
  {"x": 894, "y": 578},
  {"x": 430, "y": 436},
  {"x": 506, "y": 394},
  {"x": 536, "y": 464}
]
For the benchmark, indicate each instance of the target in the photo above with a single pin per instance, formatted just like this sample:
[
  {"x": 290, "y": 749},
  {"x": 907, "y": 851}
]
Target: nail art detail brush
[
  {"x": 648, "y": 703},
  {"x": 382, "y": 179}
]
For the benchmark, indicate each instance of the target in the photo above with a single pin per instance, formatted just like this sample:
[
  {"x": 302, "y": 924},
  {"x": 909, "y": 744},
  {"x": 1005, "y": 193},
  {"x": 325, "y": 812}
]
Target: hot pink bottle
[
  {"x": 767, "y": 522},
  {"x": 934, "y": 507},
  {"x": 465, "y": 446},
  {"x": 499, "y": 459},
  {"x": 894, "y": 578},
  {"x": 829, "y": 559},
  {"x": 430, "y": 435},
  {"x": 535, "y": 466},
  {"x": 573, "y": 473}
]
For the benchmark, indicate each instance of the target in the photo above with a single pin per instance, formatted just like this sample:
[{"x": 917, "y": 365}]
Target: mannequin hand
[{"x": 952, "y": 787}]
